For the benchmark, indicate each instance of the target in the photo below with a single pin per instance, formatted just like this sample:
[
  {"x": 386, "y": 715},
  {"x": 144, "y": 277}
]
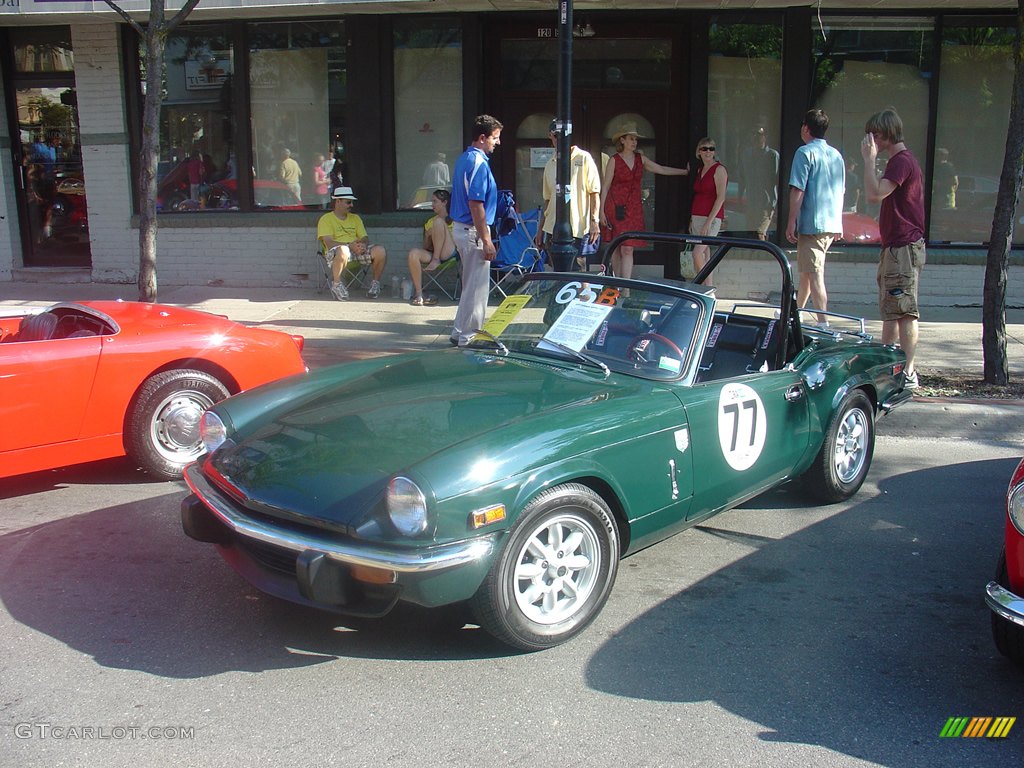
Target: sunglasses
[{"x": 706, "y": 149}]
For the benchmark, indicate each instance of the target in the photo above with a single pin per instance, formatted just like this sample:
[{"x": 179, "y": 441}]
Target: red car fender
[{"x": 1014, "y": 540}]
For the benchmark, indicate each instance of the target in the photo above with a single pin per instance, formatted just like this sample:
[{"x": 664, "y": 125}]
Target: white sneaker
[
  {"x": 340, "y": 291},
  {"x": 912, "y": 381},
  {"x": 374, "y": 290}
]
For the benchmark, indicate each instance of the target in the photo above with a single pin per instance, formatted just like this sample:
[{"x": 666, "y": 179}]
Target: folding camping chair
[
  {"x": 517, "y": 253},
  {"x": 353, "y": 276},
  {"x": 438, "y": 278}
]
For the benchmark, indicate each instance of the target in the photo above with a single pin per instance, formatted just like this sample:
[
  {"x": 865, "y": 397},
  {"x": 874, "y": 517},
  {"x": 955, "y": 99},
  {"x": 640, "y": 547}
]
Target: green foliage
[{"x": 755, "y": 41}]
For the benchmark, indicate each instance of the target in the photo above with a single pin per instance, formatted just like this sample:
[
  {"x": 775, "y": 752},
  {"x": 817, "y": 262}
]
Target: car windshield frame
[{"x": 645, "y": 329}]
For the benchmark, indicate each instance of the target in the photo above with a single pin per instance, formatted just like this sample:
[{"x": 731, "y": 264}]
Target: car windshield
[{"x": 611, "y": 325}]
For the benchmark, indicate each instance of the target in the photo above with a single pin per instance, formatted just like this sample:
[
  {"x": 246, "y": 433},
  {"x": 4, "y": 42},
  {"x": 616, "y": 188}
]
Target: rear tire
[
  {"x": 162, "y": 427},
  {"x": 554, "y": 573},
  {"x": 1009, "y": 637},
  {"x": 841, "y": 465}
]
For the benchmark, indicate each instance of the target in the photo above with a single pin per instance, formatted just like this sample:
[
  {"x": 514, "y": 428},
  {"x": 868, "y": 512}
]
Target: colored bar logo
[{"x": 977, "y": 727}]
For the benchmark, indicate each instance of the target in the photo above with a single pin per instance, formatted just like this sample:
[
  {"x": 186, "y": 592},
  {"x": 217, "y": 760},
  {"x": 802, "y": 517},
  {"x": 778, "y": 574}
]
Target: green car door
[{"x": 752, "y": 430}]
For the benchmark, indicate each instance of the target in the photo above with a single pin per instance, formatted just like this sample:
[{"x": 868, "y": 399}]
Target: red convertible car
[
  {"x": 1003, "y": 595},
  {"x": 98, "y": 379}
]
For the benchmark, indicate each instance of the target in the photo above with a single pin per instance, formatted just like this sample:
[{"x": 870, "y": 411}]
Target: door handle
[{"x": 794, "y": 394}]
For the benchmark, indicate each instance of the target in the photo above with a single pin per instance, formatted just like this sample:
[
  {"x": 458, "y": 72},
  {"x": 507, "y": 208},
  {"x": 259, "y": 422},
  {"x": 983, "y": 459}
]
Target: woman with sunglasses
[{"x": 708, "y": 209}]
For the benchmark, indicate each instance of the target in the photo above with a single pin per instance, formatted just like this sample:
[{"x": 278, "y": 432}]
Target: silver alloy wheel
[
  {"x": 175, "y": 426},
  {"x": 851, "y": 445},
  {"x": 557, "y": 569}
]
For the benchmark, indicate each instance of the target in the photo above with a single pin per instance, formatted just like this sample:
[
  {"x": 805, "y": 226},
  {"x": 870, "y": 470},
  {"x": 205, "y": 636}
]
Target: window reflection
[
  {"x": 861, "y": 65},
  {"x": 970, "y": 132},
  {"x": 298, "y": 83},
  {"x": 42, "y": 49},
  {"x": 428, "y": 107},
  {"x": 197, "y": 124},
  {"x": 744, "y": 103}
]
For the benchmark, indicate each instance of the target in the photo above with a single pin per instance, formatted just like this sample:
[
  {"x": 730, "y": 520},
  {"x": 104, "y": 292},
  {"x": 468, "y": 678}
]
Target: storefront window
[
  {"x": 298, "y": 85},
  {"x": 197, "y": 165},
  {"x": 533, "y": 150},
  {"x": 861, "y": 66},
  {"x": 42, "y": 49},
  {"x": 744, "y": 103},
  {"x": 970, "y": 132},
  {"x": 428, "y": 107}
]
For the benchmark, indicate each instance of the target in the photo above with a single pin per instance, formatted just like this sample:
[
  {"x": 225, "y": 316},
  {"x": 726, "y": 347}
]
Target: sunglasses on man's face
[{"x": 707, "y": 149}]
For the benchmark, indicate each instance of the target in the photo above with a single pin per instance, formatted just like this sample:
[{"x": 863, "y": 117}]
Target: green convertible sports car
[{"x": 591, "y": 417}]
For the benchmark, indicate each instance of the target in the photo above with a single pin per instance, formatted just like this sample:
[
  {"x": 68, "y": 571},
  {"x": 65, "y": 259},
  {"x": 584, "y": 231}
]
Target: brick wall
[
  {"x": 10, "y": 239},
  {"x": 101, "y": 113},
  {"x": 260, "y": 256}
]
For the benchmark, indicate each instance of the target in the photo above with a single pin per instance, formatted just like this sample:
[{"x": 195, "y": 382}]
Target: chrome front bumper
[
  {"x": 425, "y": 559},
  {"x": 1006, "y": 604}
]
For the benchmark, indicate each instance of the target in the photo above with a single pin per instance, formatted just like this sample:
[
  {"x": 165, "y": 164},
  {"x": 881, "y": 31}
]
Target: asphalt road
[{"x": 778, "y": 634}]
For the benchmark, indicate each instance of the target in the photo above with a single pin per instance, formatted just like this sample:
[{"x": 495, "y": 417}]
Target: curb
[{"x": 993, "y": 421}]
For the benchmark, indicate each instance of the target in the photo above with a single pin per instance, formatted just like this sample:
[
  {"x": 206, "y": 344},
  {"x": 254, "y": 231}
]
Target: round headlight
[
  {"x": 407, "y": 506},
  {"x": 212, "y": 431},
  {"x": 1015, "y": 506}
]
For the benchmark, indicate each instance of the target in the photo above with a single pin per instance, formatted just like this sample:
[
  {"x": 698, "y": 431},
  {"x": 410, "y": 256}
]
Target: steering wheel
[{"x": 632, "y": 351}]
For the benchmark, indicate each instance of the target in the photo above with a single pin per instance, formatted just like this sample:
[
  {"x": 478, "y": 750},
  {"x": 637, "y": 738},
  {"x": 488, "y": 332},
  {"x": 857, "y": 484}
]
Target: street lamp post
[{"x": 563, "y": 248}]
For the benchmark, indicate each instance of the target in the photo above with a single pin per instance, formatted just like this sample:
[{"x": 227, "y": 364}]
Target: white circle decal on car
[{"x": 742, "y": 425}]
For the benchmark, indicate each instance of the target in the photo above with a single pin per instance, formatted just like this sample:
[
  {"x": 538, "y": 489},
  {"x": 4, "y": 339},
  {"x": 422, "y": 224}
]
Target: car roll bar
[{"x": 720, "y": 247}]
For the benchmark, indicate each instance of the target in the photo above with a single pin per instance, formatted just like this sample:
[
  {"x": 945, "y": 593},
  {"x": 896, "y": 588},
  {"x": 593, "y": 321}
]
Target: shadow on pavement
[
  {"x": 847, "y": 634},
  {"x": 125, "y": 586}
]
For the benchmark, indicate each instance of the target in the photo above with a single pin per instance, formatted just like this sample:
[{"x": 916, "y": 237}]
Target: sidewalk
[
  {"x": 340, "y": 330},
  {"x": 336, "y": 331}
]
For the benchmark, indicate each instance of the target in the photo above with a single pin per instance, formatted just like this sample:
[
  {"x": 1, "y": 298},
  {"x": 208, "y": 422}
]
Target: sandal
[
  {"x": 434, "y": 263},
  {"x": 429, "y": 301},
  {"x": 417, "y": 301}
]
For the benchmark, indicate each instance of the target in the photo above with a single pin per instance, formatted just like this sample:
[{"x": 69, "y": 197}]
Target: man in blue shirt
[
  {"x": 473, "y": 206},
  {"x": 817, "y": 185}
]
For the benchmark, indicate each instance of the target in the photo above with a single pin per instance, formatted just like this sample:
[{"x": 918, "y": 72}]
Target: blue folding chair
[{"x": 517, "y": 253}]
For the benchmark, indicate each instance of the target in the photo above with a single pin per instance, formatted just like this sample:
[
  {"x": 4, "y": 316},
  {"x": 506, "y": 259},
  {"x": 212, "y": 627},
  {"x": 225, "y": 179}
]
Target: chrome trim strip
[
  {"x": 434, "y": 558},
  {"x": 1005, "y": 603},
  {"x": 898, "y": 399}
]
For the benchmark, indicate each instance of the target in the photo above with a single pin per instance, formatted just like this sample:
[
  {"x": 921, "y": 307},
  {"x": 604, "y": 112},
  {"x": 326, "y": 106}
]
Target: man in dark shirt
[{"x": 900, "y": 190}]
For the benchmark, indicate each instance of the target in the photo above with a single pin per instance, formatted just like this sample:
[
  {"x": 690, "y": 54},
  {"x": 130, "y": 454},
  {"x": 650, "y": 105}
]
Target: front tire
[
  {"x": 162, "y": 427},
  {"x": 842, "y": 464},
  {"x": 554, "y": 573},
  {"x": 1008, "y": 637}
]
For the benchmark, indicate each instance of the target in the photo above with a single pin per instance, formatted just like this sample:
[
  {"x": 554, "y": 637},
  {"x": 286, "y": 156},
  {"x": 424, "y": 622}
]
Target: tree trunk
[
  {"x": 155, "y": 35},
  {"x": 993, "y": 316},
  {"x": 155, "y": 41}
]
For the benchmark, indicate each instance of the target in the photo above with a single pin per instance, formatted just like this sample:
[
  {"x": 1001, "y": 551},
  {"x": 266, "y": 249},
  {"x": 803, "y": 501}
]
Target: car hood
[{"x": 329, "y": 452}]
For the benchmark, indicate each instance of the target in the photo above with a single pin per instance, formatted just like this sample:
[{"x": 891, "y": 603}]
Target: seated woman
[{"x": 438, "y": 246}]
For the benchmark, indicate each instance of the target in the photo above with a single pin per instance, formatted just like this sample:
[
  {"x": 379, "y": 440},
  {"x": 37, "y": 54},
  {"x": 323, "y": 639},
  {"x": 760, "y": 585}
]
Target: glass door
[{"x": 51, "y": 189}]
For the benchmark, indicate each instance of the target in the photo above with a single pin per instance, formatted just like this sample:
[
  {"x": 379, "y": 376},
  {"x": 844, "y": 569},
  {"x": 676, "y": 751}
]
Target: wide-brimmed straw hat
[{"x": 625, "y": 129}]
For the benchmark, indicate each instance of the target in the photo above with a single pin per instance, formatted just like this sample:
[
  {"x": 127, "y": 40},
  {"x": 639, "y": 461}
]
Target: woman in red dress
[
  {"x": 621, "y": 202},
  {"x": 708, "y": 208}
]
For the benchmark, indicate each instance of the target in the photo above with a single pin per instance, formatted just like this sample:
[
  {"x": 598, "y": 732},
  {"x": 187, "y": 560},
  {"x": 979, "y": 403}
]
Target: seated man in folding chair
[
  {"x": 344, "y": 238},
  {"x": 438, "y": 247}
]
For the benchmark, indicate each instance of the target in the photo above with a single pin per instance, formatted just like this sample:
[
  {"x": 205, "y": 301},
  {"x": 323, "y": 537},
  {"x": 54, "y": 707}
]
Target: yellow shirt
[
  {"x": 585, "y": 180},
  {"x": 290, "y": 171},
  {"x": 346, "y": 230}
]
